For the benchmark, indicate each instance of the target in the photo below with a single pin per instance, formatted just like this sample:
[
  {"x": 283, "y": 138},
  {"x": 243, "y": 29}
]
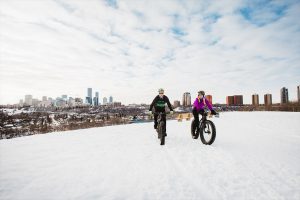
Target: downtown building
[
  {"x": 268, "y": 99},
  {"x": 60, "y": 102},
  {"x": 28, "y": 100},
  {"x": 117, "y": 104},
  {"x": 176, "y": 104},
  {"x": 284, "y": 95},
  {"x": 45, "y": 102},
  {"x": 255, "y": 100},
  {"x": 89, "y": 98},
  {"x": 78, "y": 101},
  {"x": 298, "y": 93},
  {"x": 71, "y": 102},
  {"x": 236, "y": 100},
  {"x": 186, "y": 99},
  {"x": 209, "y": 98},
  {"x": 21, "y": 102},
  {"x": 96, "y": 99},
  {"x": 111, "y": 100},
  {"x": 104, "y": 101},
  {"x": 230, "y": 100}
]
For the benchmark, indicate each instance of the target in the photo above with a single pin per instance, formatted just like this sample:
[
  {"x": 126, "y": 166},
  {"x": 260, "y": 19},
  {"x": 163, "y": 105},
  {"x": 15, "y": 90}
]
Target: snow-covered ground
[
  {"x": 12, "y": 111},
  {"x": 256, "y": 155}
]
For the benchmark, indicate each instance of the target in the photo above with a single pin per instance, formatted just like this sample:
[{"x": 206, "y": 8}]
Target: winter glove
[
  {"x": 150, "y": 112},
  {"x": 213, "y": 112},
  {"x": 171, "y": 112}
]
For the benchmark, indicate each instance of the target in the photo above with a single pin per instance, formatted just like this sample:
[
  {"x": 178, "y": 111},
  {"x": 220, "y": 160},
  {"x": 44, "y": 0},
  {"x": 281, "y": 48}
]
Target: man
[{"x": 159, "y": 105}]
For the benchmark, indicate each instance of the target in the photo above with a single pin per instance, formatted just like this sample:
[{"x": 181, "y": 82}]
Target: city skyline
[
  {"x": 187, "y": 100},
  {"x": 132, "y": 48},
  {"x": 66, "y": 99}
]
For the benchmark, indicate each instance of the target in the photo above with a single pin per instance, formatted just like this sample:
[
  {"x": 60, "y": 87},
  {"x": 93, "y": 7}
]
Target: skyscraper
[
  {"x": 87, "y": 100},
  {"x": 104, "y": 101},
  {"x": 186, "y": 99},
  {"x": 111, "y": 100},
  {"x": 268, "y": 99},
  {"x": 89, "y": 97},
  {"x": 238, "y": 100},
  {"x": 230, "y": 100},
  {"x": 255, "y": 99},
  {"x": 96, "y": 99},
  {"x": 28, "y": 100},
  {"x": 284, "y": 95},
  {"x": 298, "y": 93}
]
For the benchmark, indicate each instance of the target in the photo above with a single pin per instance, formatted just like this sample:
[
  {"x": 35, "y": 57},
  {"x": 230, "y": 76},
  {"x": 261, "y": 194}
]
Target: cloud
[
  {"x": 262, "y": 13},
  {"x": 128, "y": 49}
]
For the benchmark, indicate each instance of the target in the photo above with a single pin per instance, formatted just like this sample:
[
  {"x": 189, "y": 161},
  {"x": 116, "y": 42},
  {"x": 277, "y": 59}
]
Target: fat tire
[
  {"x": 161, "y": 131},
  {"x": 213, "y": 130}
]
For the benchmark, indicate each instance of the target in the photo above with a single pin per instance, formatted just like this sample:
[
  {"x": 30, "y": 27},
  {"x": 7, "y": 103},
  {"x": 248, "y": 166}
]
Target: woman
[{"x": 198, "y": 106}]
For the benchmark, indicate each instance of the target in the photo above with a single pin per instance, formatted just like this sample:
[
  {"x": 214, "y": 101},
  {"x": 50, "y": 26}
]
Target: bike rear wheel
[
  {"x": 161, "y": 132},
  {"x": 208, "y": 132}
]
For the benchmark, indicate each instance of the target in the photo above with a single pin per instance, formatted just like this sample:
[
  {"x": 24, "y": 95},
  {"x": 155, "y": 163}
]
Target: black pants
[
  {"x": 163, "y": 118},
  {"x": 196, "y": 115}
]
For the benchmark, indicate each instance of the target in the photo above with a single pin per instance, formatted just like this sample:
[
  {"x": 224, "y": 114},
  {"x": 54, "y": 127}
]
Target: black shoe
[{"x": 155, "y": 127}]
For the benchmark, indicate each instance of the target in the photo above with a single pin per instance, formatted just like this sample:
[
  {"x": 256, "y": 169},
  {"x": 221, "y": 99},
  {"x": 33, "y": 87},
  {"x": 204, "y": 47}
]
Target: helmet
[
  {"x": 201, "y": 92},
  {"x": 161, "y": 90}
]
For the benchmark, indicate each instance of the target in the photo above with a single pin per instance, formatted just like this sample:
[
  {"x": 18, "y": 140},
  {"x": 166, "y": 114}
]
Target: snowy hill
[{"x": 255, "y": 156}]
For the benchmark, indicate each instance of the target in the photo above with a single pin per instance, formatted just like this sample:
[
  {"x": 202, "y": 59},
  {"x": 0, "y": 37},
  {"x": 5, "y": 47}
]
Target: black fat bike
[
  {"x": 161, "y": 127},
  {"x": 206, "y": 130}
]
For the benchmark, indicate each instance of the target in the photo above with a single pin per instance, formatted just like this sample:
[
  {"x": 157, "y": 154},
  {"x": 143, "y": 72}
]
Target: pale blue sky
[{"x": 130, "y": 48}]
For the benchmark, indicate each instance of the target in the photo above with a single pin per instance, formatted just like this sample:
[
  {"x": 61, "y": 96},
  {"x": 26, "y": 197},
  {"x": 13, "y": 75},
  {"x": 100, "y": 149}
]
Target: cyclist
[
  {"x": 198, "y": 106},
  {"x": 159, "y": 106}
]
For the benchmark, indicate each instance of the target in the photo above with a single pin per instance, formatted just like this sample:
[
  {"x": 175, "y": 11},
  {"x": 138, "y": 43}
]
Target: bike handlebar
[{"x": 161, "y": 112}]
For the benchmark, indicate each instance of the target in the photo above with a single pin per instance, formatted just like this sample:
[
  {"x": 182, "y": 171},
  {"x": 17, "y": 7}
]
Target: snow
[
  {"x": 54, "y": 122},
  {"x": 13, "y": 111},
  {"x": 255, "y": 156}
]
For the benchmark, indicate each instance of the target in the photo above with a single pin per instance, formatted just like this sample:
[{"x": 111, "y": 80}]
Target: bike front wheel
[
  {"x": 208, "y": 132},
  {"x": 161, "y": 132}
]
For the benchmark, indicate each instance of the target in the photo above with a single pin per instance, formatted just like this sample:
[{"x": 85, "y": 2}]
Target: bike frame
[
  {"x": 203, "y": 119},
  {"x": 160, "y": 115}
]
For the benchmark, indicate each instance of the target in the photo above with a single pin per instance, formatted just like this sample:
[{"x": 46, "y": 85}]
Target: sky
[{"x": 130, "y": 48}]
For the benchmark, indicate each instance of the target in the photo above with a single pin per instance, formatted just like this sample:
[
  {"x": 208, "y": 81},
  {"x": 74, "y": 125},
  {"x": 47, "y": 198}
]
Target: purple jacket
[{"x": 200, "y": 105}]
